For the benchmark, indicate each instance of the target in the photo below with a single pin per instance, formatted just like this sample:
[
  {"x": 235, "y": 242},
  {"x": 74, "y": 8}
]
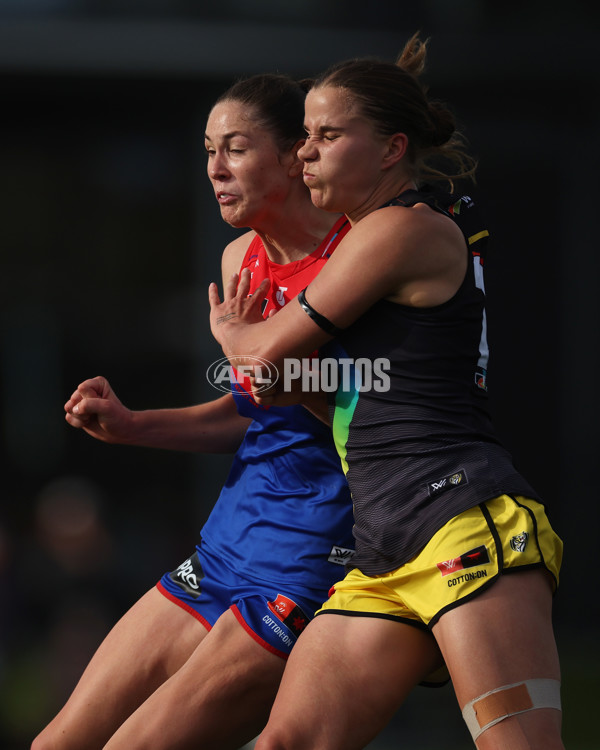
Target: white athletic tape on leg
[{"x": 490, "y": 708}]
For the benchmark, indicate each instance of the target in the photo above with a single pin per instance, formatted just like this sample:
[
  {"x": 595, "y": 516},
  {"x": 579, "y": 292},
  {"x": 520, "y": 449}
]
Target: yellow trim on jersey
[{"x": 479, "y": 236}]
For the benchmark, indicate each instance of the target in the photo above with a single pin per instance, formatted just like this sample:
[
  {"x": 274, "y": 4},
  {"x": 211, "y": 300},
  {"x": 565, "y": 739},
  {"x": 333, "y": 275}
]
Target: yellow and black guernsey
[{"x": 410, "y": 417}]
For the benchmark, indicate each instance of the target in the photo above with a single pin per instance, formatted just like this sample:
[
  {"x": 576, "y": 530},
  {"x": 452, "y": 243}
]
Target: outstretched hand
[
  {"x": 237, "y": 308},
  {"x": 95, "y": 408}
]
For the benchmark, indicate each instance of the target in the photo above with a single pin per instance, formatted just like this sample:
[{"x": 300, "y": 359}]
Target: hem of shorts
[
  {"x": 253, "y": 634},
  {"x": 543, "y": 562},
  {"x": 380, "y": 615},
  {"x": 467, "y": 598},
  {"x": 190, "y": 610},
  {"x": 486, "y": 586},
  {"x": 533, "y": 566},
  {"x": 396, "y": 618}
]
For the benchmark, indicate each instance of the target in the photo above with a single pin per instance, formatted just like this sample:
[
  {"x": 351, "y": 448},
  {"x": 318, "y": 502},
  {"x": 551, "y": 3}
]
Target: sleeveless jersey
[
  {"x": 421, "y": 450},
  {"x": 285, "y": 512}
]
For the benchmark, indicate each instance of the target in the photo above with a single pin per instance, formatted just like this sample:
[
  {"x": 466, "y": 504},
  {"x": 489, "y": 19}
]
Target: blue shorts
[{"x": 206, "y": 588}]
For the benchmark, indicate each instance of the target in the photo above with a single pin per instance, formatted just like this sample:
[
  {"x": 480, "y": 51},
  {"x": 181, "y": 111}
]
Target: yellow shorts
[{"x": 462, "y": 559}]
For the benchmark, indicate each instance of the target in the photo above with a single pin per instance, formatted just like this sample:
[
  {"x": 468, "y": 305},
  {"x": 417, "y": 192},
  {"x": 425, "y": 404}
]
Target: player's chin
[
  {"x": 318, "y": 197},
  {"x": 232, "y": 217}
]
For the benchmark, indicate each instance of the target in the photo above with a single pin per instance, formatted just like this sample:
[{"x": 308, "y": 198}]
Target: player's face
[
  {"x": 248, "y": 176},
  {"x": 342, "y": 153}
]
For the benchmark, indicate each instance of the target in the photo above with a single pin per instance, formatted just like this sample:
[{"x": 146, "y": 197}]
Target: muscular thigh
[
  {"x": 345, "y": 678},
  {"x": 220, "y": 698},
  {"x": 148, "y": 644},
  {"x": 502, "y": 636}
]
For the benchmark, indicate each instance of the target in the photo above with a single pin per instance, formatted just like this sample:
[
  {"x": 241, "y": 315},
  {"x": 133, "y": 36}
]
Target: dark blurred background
[{"x": 110, "y": 235}]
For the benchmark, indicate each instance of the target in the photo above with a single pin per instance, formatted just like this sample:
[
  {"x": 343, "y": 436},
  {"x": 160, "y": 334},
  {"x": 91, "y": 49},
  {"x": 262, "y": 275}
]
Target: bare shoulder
[
  {"x": 403, "y": 239},
  {"x": 234, "y": 252},
  {"x": 417, "y": 223},
  {"x": 422, "y": 253}
]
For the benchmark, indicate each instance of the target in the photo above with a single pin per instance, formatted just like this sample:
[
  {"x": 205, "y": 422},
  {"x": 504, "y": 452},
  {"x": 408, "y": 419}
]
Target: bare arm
[
  {"x": 407, "y": 255},
  {"x": 212, "y": 427}
]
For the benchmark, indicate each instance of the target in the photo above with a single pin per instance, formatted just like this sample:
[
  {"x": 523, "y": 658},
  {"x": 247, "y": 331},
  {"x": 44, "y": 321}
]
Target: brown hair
[
  {"x": 278, "y": 102},
  {"x": 393, "y": 97}
]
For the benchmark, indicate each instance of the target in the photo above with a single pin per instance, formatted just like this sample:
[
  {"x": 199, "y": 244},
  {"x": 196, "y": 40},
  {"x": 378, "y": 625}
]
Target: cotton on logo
[{"x": 186, "y": 572}]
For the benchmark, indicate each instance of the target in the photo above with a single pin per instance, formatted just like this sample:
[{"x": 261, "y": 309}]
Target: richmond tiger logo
[{"x": 519, "y": 542}]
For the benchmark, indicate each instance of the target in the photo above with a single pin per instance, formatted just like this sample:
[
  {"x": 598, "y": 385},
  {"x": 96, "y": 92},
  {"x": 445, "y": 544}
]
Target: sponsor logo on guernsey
[
  {"x": 340, "y": 555},
  {"x": 279, "y": 296},
  {"x": 289, "y": 613},
  {"x": 519, "y": 541},
  {"x": 455, "y": 209},
  {"x": 481, "y": 379},
  {"x": 188, "y": 576},
  {"x": 471, "y": 559},
  {"x": 447, "y": 483}
]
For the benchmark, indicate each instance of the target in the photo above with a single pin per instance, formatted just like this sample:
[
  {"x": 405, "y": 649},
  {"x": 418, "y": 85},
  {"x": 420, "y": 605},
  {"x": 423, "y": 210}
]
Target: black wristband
[{"x": 319, "y": 319}]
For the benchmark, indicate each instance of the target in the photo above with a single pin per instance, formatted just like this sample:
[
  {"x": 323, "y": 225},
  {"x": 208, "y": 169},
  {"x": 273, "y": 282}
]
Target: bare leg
[
  {"x": 502, "y": 637},
  {"x": 219, "y": 700},
  {"x": 148, "y": 644},
  {"x": 344, "y": 679}
]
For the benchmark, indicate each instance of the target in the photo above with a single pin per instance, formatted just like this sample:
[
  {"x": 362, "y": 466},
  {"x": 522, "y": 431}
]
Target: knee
[{"x": 270, "y": 740}]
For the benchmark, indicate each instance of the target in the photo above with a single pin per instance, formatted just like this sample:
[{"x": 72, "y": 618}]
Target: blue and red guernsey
[{"x": 285, "y": 512}]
